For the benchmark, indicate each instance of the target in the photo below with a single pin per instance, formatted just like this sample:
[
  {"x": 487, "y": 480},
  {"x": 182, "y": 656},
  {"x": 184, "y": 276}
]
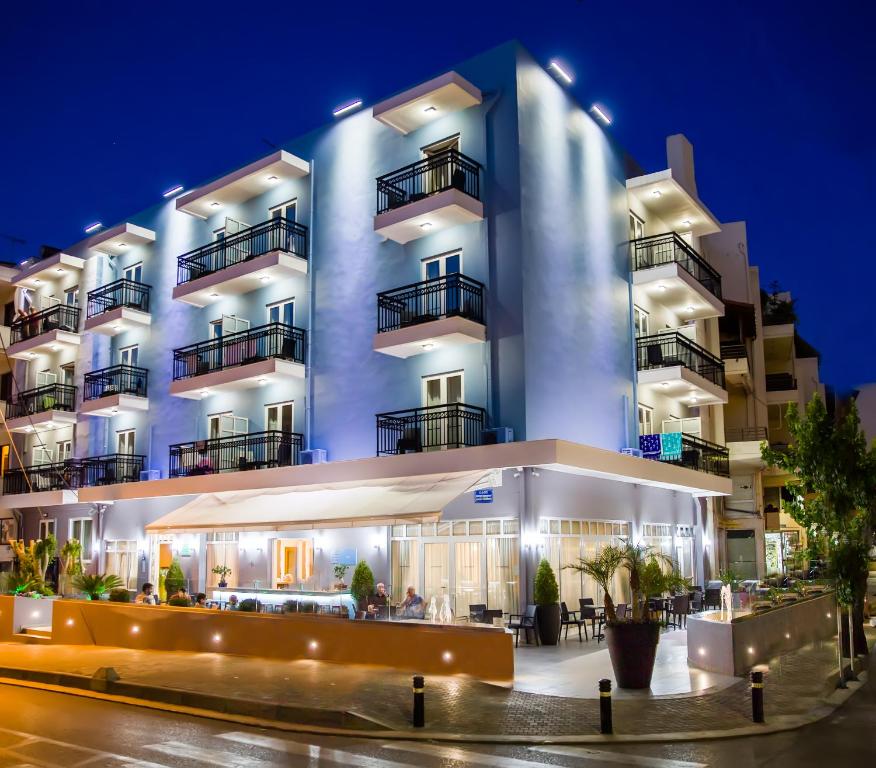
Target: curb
[{"x": 779, "y": 724}]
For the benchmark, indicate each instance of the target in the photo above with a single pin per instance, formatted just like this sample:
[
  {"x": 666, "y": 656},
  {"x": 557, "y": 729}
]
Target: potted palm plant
[
  {"x": 96, "y": 585},
  {"x": 632, "y": 639},
  {"x": 546, "y": 596}
]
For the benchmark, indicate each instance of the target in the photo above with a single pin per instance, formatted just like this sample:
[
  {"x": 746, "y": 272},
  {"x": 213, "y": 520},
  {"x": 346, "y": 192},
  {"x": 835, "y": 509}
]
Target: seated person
[
  {"x": 147, "y": 595},
  {"x": 413, "y": 606},
  {"x": 200, "y": 600},
  {"x": 378, "y": 603},
  {"x": 232, "y": 603}
]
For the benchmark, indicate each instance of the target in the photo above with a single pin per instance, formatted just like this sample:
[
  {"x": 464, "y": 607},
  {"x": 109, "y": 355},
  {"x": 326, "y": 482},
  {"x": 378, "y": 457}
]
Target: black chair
[
  {"x": 410, "y": 442},
  {"x": 571, "y": 619},
  {"x": 476, "y": 612},
  {"x": 526, "y": 622},
  {"x": 621, "y": 610},
  {"x": 696, "y": 602},
  {"x": 655, "y": 356},
  {"x": 588, "y": 613},
  {"x": 712, "y": 598},
  {"x": 680, "y": 610},
  {"x": 490, "y": 614}
]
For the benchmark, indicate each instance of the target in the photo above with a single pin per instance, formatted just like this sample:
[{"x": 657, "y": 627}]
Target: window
[
  {"x": 67, "y": 373},
  {"x": 451, "y": 142},
  {"x": 227, "y": 325},
  {"x": 121, "y": 561},
  {"x": 218, "y": 234},
  {"x": 45, "y": 378},
  {"x": 125, "y": 441},
  {"x": 226, "y": 425},
  {"x": 4, "y": 460},
  {"x": 641, "y": 321},
  {"x": 65, "y": 449},
  {"x": 81, "y": 529},
  {"x": 646, "y": 420},
  {"x": 443, "y": 389},
  {"x": 47, "y": 528},
  {"x": 439, "y": 266},
  {"x": 134, "y": 273},
  {"x": 71, "y": 296},
  {"x": 282, "y": 312},
  {"x": 42, "y": 455},
  {"x": 287, "y": 210},
  {"x": 637, "y": 227},
  {"x": 129, "y": 355},
  {"x": 278, "y": 416}
]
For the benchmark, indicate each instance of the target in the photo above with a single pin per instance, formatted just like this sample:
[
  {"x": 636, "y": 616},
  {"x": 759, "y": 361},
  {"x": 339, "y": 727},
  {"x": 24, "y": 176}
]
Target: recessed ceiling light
[
  {"x": 428, "y": 345},
  {"x": 214, "y": 295},
  {"x": 54, "y": 347},
  {"x": 37, "y": 281},
  {"x": 561, "y": 73},
  {"x": 265, "y": 278},
  {"x": 600, "y": 114},
  {"x": 657, "y": 193},
  {"x": 273, "y": 179},
  {"x": 115, "y": 410},
  {"x": 31, "y": 354},
  {"x": 215, "y": 204},
  {"x": 262, "y": 382},
  {"x": 664, "y": 384},
  {"x": 431, "y": 108},
  {"x": 686, "y": 222},
  {"x": 174, "y": 190},
  {"x": 121, "y": 245},
  {"x": 661, "y": 287},
  {"x": 426, "y": 225},
  {"x": 690, "y": 308},
  {"x": 344, "y": 108},
  {"x": 205, "y": 392},
  {"x": 117, "y": 327},
  {"x": 60, "y": 270}
]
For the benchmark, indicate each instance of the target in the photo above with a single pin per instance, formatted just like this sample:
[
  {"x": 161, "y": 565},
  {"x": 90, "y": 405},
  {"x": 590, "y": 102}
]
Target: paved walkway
[{"x": 796, "y": 684}]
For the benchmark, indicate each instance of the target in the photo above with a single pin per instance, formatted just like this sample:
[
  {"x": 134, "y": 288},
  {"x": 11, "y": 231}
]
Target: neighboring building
[
  {"x": 8, "y": 521},
  {"x": 865, "y": 399},
  {"x": 270, "y": 371}
]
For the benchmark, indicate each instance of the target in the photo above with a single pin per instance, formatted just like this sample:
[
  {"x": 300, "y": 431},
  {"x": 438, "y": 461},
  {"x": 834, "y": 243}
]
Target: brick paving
[{"x": 795, "y": 684}]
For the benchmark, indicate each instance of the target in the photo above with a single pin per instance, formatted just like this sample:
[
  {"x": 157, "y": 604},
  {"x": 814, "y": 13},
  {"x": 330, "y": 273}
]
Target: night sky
[{"x": 106, "y": 105}]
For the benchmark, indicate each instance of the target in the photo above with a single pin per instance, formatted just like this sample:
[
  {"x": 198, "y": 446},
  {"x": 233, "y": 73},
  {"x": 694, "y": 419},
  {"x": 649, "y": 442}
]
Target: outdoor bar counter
[
  {"x": 481, "y": 651},
  {"x": 734, "y": 647},
  {"x": 277, "y": 597}
]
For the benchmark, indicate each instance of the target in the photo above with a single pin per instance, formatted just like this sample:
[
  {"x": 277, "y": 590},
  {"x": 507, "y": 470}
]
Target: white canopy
[{"x": 367, "y": 502}]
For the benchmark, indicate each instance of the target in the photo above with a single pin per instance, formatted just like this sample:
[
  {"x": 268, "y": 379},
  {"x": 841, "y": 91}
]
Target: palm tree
[
  {"x": 637, "y": 558},
  {"x": 602, "y": 569}
]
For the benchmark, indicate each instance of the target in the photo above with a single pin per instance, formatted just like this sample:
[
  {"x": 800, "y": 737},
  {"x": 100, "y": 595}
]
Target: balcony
[
  {"x": 42, "y": 409},
  {"x": 118, "y": 307},
  {"x": 736, "y": 367},
  {"x": 744, "y": 445},
  {"x": 780, "y": 382},
  {"x": 44, "y": 332},
  {"x": 240, "y": 263},
  {"x": 675, "y": 275},
  {"x": 236, "y": 453},
  {"x": 432, "y": 428},
  {"x": 672, "y": 365},
  {"x": 72, "y": 474},
  {"x": 439, "y": 192},
  {"x": 688, "y": 451},
  {"x": 113, "y": 390},
  {"x": 239, "y": 361},
  {"x": 442, "y": 312}
]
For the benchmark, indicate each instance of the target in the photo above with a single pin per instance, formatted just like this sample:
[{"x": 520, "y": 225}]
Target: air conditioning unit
[
  {"x": 312, "y": 456},
  {"x": 497, "y": 435},
  {"x": 632, "y": 452},
  {"x": 150, "y": 474}
]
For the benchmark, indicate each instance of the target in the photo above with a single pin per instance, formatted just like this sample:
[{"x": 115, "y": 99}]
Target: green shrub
[
  {"x": 179, "y": 602},
  {"x": 362, "y": 583},
  {"x": 546, "y": 591},
  {"x": 96, "y": 584},
  {"x": 250, "y": 605},
  {"x": 174, "y": 581},
  {"x": 290, "y": 606},
  {"x": 120, "y": 595}
]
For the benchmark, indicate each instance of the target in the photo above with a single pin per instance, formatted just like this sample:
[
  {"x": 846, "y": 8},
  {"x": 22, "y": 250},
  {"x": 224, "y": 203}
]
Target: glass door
[
  {"x": 444, "y": 299},
  {"x": 442, "y": 427}
]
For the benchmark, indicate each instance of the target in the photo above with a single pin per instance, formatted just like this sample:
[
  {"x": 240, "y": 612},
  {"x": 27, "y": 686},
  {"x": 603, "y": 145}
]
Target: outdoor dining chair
[
  {"x": 588, "y": 613},
  {"x": 571, "y": 619},
  {"x": 526, "y": 622}
]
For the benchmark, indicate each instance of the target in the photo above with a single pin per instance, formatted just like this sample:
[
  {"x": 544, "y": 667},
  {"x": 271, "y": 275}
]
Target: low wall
[
  {"x": 18, "y": 613},
  {"x": 7, "y": 611},
  {"x": 733, "y": 648},
  {"x": 480, "y": 651}
]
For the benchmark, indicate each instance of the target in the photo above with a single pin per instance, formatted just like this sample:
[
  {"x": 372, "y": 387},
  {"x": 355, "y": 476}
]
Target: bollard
[
  {"x": 419, "y": 701},
  {"x": 757, "y": 697},
  {"x": 605, "y": 724}
]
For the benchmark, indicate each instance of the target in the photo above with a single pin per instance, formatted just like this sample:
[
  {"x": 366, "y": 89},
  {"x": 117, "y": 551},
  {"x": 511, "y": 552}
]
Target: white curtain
[{"x": 503, "y": 574}]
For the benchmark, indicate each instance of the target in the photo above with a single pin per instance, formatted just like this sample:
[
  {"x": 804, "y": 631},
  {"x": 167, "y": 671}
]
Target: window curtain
[
  {"x": 503, "y": 574},
  {"x": 469, "y": 579},
  {"x": 223, "y": 553},
  {"x": 404, "y": 567},
  {"x": 121, "y": 561},
  {"x": 436, "y": 562}
]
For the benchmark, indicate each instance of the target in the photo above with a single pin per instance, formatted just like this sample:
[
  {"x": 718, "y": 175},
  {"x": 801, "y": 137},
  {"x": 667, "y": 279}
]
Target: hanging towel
[
  {"x": 650, "y": 446},
  {"x": 670, "y": 446}
]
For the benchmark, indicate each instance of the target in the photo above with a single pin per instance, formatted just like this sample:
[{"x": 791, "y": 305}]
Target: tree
[
  {"x": 174, "y": 580},
  {"x": 601, "y": 569},
  {"x": 362, "y": 583},
  {"x": 833, "y": 496},
  {"x": 545, "y": 590}
]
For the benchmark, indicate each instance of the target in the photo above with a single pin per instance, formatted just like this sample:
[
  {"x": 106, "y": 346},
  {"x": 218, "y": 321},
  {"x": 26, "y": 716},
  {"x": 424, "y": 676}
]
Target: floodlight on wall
[
  {"x": 345, "y": 108},
  {"x": 600, "y": 114},
  {"x": 560, "y": 72},
  {"x": 174, "y": 190}
]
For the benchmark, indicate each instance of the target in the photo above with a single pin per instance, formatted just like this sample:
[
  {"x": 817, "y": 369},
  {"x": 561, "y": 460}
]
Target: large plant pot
[
  {"x": 547, "y": 618},
  {"x": 632, "y": 647}
]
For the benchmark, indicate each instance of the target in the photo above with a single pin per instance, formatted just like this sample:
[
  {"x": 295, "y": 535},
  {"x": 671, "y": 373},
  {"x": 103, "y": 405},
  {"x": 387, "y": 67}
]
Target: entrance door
[
  {"x": 444, "y": 300},
  {"x": 441, "y": 165},
  {"x": 442, "y": 427},
  {"x": 742, "y": 554}
]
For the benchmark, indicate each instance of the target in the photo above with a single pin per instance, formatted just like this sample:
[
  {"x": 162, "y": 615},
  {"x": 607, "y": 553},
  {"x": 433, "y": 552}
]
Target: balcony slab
[
  {"x": 240, "y": 278},
  {"x": 737, "y": 372},
  {"x": 118, "y": 320},
  {"x": 38, "y": 499},
  {"x": 427, "y": 102},
  {"x": 442, "y": 210},
  {"x": 683, "y": 385},
  {"x": 680, "y": 292},
  {"x": 424, "y": 337},
  {"x": 112, "y": 405},
  {"x": 745, "y": 455},
  {"x": 118, "y": 239},
  {"x": 44, "y": 344},
  {"x": 32, "y": 275},
  {"x": 238, "y": 378},
  {"x": 44, "y": 421}
]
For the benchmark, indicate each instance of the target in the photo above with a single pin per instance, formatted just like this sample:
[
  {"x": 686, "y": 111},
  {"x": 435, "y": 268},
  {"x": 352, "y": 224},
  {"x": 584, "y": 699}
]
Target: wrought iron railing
[
  {"x": 744, "y": 434},
  {"x": 657, "y": 250},
  {"x": 780, "y": 382},
  {"x": 733, "y": 351},
  {"x": 664, "y": 350},
  {"x": 121, "y": 293},
  {"x": 116, "y": 380},
  {"x": 60, "y": 317},
  {"x": 51, "y": 397},
  {"x": 449, "y": 296},
  {"x": 456, "y": 425},
  {"x": 445, "y": 170},
  {"x": 274, "y": 340},
  {"x": 701, "y": 455},
  {"x": 273, "y": 235},
  {"x": 72, "y": 474},
  {"x": 257, "y": 450}
]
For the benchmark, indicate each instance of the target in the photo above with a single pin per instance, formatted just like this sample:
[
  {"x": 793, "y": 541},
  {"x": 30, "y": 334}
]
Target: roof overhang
[
  {"x": 118, "y": 239},
  {"x": 32, "y": 274},
  {"x": 243, "y": 184},
  {"x": 427, "y": 102},
  {"x": 663, "y": 195}
]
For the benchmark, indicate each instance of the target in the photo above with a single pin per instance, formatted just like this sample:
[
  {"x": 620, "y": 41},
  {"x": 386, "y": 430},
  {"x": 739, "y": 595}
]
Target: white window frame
[
  {"x": 126, "y": 436},
  {"x": 637, "y": 227},
  {"x": 646, "y": 416},
  {"x": 280, "y": 305},
  {"x": 46, "y": 377},
  {"x": 641, "y": 321},
  {"x": 65, "y": 449},
  {"x": 133, "y": 349},
  {"x": 443, "y": 377},
  {"x": 48, "y": 527},
  {"x": 283, "y": 209},
  {"x": 436, "y": 146},
  {"x": 441, "y": 258},
  {"x": 41, "y": 455},
  {"x": 239, "y": 425},
  {"x": 87, "y": 547},
  {"x": 74, "y": 292},
  {"x": 280, "y": 406},
  {"x": 130, "y": 270}
]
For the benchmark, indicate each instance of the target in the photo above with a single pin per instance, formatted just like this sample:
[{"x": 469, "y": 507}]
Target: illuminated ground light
[
  {"x": 702, "y": 651},
  {"x": 313, "y": 645},
  {"x": 217, "y": 638},
  {"x": 750, "y": 649},
  {"x": 447, "y": 657},
  {"x": 135, "y": 630},
  {"x": 69, "y": 622}
]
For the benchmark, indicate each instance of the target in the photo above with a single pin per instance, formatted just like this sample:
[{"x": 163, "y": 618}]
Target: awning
[{"x": 374, "y": 502}]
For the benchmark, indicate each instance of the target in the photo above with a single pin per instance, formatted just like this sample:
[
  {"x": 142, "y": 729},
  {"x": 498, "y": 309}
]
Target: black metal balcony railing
[
  {"x": 664, "y": 350},
  {"x": 449, "y": 296},
  {"x": 121, "y": 293},
  {"x": 116, "y": 380},
  {"x": 780, "y": 382},
  {"x": 733, "y": 351},
  {"x": 668, "y": 248},
  {"x": 51, "y": 397},
  {"x": 274, "y": 340},
  {"x": 273, "y": 235},
  {"x": 703, "y": 456},
  {"x": 257, "y": 450},
  {"x": 75, "y": 473},
  {"x": 445, "y": 170},
  {"x": 745, "y": 434},
  {"x": 456, "y": 425},
  {"x": 60, "y": 317}
]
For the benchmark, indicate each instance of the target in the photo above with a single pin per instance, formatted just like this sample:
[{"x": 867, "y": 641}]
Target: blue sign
[
  {"x": 344, "y": 557},
  {"x": 483, "y": 496}
]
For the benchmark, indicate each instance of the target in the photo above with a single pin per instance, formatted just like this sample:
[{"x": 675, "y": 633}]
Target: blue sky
[{"x": 105, "y": 105}]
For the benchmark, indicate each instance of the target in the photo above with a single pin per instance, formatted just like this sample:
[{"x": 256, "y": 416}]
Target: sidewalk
[{"x": 319, "y": 693}]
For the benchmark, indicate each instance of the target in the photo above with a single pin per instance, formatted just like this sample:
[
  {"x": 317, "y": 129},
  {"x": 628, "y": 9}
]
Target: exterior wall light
[
  {"x": 93, "y": 227},
  {"x": 600, "y": 114},
  {"x": 344, "y": 108},
  {"x": 174, "y": 190},
  {"x": 560, "y": 72}
]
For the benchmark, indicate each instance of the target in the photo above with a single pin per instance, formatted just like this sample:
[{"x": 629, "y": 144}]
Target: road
[{"x": 50, "y": 730}]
